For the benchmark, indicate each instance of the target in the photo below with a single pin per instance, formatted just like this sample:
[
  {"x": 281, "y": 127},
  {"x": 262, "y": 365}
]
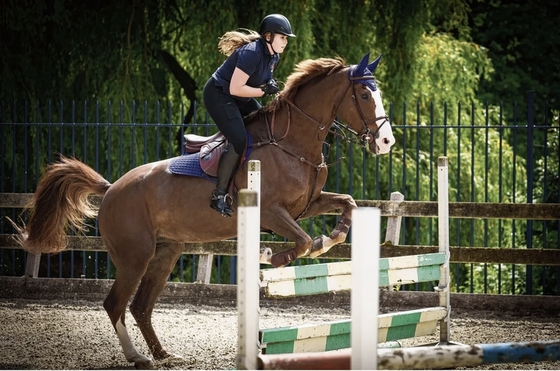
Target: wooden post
[
  {"x": 204, "y": 271},
  {"x": 394, "y": 222},
  {"x": 248, "y": 285},
  {"x": 443, "y": 236},
  {"x": 254, "y": 179},
  {"x": 32, "y": 265},
  {"x": 364, "y": 300},
  {"x": 248, "y": 244}
]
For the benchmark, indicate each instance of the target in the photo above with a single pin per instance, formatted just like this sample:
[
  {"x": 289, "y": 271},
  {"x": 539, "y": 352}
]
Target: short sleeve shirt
[{"x": 254, "y": 59}]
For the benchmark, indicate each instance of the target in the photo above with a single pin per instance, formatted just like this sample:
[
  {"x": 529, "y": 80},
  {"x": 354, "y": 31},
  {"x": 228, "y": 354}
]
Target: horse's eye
[{"x": 365, "y": 96}]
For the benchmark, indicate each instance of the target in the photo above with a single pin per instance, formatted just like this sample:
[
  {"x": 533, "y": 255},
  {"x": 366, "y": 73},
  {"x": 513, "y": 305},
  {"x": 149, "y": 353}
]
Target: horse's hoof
[
  {"x": 170, "y": 360},
  {"x": 143, "y": 365},
  {"x": 318, "y": 247},
  {"x": 265, "y": 255},
  {"x": 141, "y": 362},
  {"x": 166, "y": 356}
]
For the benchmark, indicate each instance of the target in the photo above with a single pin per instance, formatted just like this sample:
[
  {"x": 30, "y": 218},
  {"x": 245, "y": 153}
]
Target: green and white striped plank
[
  {"x": 329, "y": 269},
  {"x": 336, "y": 334},
  {"x": 306, "y": 271},
  {"x": 308, "y": 286},
  {"x": 411, "y": 268},
  {"x": 328, "y": 277}
]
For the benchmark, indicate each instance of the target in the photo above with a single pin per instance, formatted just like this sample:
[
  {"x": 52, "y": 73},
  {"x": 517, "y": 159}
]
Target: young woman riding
[{"x": 230, "y": 93}]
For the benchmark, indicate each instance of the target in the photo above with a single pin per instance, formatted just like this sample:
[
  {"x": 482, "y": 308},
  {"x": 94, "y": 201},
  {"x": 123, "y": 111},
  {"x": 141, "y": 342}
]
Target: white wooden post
[
  {"x": 248, "y": 241},
  {"x": 254, "y": 179},
  {"x": 443, "y": 236},
  {"x": 248, "y": 247},
  {"x": 364, "y": 301}
]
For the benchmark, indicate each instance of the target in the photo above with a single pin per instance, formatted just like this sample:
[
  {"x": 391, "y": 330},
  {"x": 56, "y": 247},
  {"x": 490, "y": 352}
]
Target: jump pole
[
  {"x": 248, "y": 245},
  {"x": 422, "y": 358}
]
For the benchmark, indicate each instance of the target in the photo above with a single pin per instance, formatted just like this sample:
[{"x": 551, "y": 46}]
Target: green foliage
[
  {"x": 85, "y": 50},
  {"x": 522, "y": 42},
  {"x": 448, "y": 70},
  {"x": 443, "y": 57}
]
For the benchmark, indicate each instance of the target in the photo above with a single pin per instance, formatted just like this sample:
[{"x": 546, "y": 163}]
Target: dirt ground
[{"x": 40, "y": 334}]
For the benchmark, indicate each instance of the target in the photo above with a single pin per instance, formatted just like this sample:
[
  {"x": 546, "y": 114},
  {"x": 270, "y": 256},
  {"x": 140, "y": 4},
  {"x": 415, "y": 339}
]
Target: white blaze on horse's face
[{"x": 384, "y": 138}]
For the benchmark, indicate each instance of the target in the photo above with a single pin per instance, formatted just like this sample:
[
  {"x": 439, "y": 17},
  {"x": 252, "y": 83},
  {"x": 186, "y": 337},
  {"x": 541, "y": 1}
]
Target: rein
[
  {"x": 275, "y": 142},
  {"x": 363, "y": 138}
]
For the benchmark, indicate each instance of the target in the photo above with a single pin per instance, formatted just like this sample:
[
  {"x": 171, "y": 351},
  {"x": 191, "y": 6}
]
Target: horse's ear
[
  {"x": 360, "y": 68},
  {"x": 373, "y": 65}
]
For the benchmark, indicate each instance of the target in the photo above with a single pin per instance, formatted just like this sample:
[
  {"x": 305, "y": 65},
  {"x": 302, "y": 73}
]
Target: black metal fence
[{"x": 497, "y": 153}]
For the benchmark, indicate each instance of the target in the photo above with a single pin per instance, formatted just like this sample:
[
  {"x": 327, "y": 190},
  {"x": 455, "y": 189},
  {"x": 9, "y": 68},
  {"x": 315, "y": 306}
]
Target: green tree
[{"x": 523, "y": 46}]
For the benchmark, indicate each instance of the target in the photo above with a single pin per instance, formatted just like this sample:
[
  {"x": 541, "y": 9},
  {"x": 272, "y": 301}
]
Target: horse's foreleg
[
  {"x": 327, "y": 202},
  {"x": 280, "y": 221},
  {"x": 151, "y": 286}
]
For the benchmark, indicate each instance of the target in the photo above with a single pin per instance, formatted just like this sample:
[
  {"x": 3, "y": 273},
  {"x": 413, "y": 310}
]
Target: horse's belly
[{"x": 194, "y": 229}]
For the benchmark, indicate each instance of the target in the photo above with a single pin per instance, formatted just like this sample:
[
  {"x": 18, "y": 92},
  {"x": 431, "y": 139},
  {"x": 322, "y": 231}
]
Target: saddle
[{"x": 209, "y": 149}]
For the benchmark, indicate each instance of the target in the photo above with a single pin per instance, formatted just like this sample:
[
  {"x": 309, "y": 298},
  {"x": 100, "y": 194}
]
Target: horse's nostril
[{"x": 386, "y": 141}]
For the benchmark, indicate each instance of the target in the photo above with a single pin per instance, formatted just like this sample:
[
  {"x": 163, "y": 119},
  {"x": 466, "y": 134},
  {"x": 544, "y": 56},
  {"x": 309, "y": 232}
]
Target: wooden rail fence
[{"x": 394, "y": 209}]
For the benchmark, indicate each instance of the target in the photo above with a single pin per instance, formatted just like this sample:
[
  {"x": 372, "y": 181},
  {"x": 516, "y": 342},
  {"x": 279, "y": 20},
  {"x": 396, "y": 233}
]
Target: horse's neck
[{"x": 311, "y": 112}]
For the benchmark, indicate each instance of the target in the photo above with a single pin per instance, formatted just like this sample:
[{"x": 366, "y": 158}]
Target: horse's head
[{"x": 362, "y": 109}]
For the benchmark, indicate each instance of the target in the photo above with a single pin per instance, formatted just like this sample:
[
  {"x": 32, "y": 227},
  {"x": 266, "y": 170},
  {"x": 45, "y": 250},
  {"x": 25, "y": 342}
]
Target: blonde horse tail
[{"x": 60, "y": 203}]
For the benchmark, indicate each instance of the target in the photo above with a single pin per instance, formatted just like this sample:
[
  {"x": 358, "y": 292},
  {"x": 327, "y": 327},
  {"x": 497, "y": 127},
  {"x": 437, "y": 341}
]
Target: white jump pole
[
  {"x": 248, "y": 246},
  {"x": 365, "y": 287}
]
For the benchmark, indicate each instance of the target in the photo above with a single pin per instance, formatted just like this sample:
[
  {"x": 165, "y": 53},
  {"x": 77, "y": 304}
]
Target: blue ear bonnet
[{"x": 363, "y": 72}]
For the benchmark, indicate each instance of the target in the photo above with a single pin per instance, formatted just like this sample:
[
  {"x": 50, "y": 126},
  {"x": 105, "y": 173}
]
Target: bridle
[{"x": 364, "y": 137}]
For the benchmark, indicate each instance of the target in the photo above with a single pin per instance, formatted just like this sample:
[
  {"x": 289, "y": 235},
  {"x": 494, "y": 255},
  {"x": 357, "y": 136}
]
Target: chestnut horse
[{"x": 147, "y": 215}]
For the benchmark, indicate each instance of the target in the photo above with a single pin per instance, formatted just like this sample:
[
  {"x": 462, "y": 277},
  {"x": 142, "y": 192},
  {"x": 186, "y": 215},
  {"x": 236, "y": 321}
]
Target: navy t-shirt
[{"x": 254, "y": 59}]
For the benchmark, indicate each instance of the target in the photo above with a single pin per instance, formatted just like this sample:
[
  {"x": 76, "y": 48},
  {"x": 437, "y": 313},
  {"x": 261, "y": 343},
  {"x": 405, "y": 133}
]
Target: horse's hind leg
[
  {"x": 151, "y": 286},
  {"x": 126, "y": 281}
]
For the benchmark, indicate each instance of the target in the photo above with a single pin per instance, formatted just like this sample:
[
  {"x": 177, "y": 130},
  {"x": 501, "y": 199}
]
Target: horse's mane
[{"x": 304, "y": 71}]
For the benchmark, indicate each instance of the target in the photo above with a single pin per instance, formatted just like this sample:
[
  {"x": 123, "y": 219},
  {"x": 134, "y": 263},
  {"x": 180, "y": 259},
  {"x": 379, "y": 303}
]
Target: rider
[{"x": 231, "y": 91}]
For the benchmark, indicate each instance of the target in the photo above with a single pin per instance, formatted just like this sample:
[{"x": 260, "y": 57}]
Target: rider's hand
[{"x": 270, "y": 88}]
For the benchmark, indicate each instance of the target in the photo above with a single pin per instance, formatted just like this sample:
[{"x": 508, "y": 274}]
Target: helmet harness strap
[{"x": 272, "y": 34}]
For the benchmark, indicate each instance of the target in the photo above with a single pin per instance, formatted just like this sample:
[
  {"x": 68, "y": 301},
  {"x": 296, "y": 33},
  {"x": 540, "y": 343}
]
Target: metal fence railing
[{"x": 497, "y": 153}]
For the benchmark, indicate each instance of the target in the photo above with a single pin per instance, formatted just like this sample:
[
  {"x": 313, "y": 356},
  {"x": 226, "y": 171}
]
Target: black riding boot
[{"x": 226, "y": 168}]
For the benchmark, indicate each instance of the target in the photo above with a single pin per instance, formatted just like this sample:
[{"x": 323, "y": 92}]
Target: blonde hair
[{"x": 232, "y": 40}]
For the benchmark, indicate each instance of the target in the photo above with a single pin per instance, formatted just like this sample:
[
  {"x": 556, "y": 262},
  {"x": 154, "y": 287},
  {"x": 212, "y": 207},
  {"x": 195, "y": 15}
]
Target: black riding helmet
[{"x": 276, "y": 23}]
